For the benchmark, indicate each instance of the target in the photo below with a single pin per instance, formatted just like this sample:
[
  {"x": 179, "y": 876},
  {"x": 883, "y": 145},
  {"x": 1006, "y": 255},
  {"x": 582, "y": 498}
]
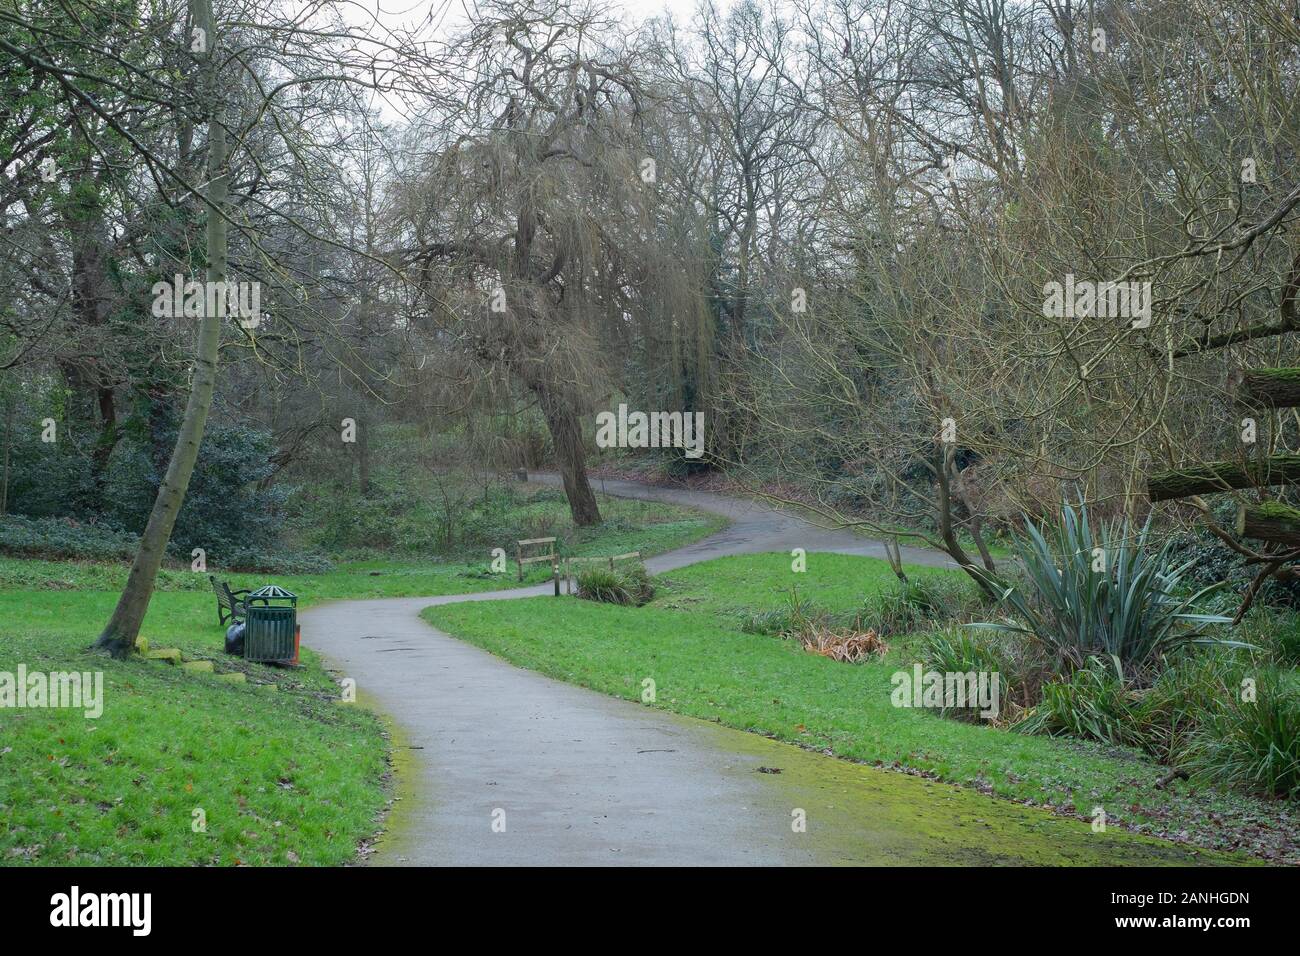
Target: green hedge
[{"x": 65, "y": 539}]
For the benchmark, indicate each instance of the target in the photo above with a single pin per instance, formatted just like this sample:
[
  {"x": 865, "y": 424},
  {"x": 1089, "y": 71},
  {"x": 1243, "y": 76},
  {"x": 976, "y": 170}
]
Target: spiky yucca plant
[{"x": 1112, "y": 596}]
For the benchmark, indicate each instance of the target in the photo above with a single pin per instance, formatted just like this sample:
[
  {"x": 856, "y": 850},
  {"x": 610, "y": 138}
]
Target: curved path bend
[{"x": 579, "y": 778}]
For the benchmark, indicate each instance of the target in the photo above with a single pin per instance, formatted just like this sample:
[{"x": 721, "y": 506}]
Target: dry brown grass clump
[{"x": 848, "y": 646}]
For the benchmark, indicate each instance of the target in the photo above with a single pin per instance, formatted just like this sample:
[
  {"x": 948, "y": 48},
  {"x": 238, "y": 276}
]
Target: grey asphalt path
[
  {"x": 508, "y": 767},
  {"x": 755, "y": 527},
  {"x": 580, "y": 778}
]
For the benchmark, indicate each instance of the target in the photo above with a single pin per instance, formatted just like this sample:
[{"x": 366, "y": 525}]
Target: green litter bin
[{"x": 271, "y": 626}]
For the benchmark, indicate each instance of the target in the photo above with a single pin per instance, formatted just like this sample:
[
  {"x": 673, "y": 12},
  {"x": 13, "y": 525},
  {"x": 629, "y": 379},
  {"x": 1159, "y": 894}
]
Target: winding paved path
[{"x": 579, "y": 778}]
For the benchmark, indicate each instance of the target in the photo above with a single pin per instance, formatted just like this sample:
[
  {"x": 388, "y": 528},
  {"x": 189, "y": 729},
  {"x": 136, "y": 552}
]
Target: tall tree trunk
[
  {"x": 94, "y": 292},
  {"x": 570, "y": 453},
  {"x": 363, "y": 459},
  {"x": 120, "y": 634},
  {"x": 107, "y": 440},
  {"x": 9, "y": 431}
]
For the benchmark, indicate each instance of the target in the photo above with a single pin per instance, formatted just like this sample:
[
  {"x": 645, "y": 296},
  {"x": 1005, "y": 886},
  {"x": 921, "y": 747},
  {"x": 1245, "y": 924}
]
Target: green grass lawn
[
  {"x": 650, "y": 527},
  {"x": 703, "y": 666},
  {"x": 281, "y": 776},
  {"x": 415, "y": 515},
  {"x": 287, "y": 777},
  {"x": 725, "y": 588}
]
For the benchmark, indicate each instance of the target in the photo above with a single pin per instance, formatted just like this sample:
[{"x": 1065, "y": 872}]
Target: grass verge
[
  {"x": 181, "y": 768},
  {"x": 686, "y": 640},
  {"x": 277, "y": 771}
]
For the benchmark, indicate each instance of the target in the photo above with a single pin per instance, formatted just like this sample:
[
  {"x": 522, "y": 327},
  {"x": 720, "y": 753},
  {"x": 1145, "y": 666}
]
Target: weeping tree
[{"x": 526, "y": 210}]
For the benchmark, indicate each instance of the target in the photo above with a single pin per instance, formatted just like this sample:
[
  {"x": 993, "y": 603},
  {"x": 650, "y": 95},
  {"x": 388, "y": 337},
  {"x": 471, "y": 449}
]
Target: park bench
[{"x": 230, "y": 604}]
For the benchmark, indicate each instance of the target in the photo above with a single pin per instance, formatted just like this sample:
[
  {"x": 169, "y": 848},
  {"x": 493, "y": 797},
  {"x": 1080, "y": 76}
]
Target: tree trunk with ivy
[
  {"x": 1270, "y": 521},
  {"x": 1269, "y": 387},
  {"x": 1223, "y": 476}
]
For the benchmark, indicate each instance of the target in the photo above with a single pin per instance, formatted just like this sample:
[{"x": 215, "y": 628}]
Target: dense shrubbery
[
  {"x": 64, "y": 538},
  {"x": 59, "y": 508},
  {"x": 227, "y": 511},
  {"x": 68, "y": 539},
  {"x": 1092, "y": 703},
  {"x": 855, "y": 636},
  {"x": 1224, "y": 715},
  {"x": 1252, "y": 743},
  {"x": 1213, "y": 562},
  {"x": 1284, "y": 639},
  {"x": 273, "y": 561},
  {"x": 602, "y": 585},
  {"x": 1122, "y": 654},
  {"x": 1218, "y": 715},
  {"x": 907, "y": 606},
  {"x": 1019, "y": 664},
  {"x": 786, "y": 621},
  {"x": 637, "y": 583}
]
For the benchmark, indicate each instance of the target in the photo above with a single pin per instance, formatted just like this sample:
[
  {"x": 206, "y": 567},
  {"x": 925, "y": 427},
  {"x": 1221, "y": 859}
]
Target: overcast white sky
[
  {"x": 407, "y": 11},
  {"x": 642, "y": 8}
]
